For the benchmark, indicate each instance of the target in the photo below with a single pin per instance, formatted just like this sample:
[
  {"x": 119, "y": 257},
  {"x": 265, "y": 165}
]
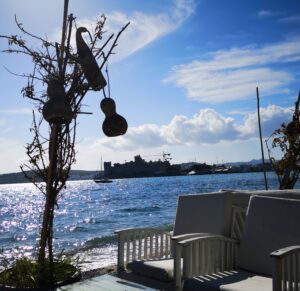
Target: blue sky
[{"x": 184, "y": 76}]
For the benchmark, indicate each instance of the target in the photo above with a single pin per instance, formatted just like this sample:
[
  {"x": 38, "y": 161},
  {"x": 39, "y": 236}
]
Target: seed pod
[
  {"x": 108, "y": 106},
  {"x": 57, "y": 110},
  {"x": 55, "y": 88},
  {"x": 88, "y": 63},
  {"x": 114, "y": 124}
]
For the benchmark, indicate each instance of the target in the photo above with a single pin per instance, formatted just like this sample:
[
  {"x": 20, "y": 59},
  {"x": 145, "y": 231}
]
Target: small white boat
[
  {"x": 105, "y": 180},
  {"x": 98, "y": 179}
]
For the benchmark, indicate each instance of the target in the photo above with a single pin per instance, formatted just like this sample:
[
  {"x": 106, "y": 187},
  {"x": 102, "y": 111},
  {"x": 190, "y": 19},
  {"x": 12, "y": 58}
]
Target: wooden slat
[
  {"x": 121, "y": 251},
  {"x": 297, "y": 272},
  {"x": 127, "y": 248},
  {"x": 202, "y": 248},
  {"x": 161, "y": 245},
  {"x": 284, "y": 275},
  {"x": 140, "y": 237},
  {"x": 156, "y": 245},
  {"x": 146, "y": 246},
  {"x": 222, "y": 257},
  {"x": 197, "y": 255},
  {"x": 134, "y": 246},
  {"x": 151, "y": 246}
]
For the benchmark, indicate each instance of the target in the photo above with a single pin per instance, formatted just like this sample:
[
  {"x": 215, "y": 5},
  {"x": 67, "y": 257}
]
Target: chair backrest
[
  {"x": 240, "y": 202},
  {"x": 207, "y": 212},
  {"x": 271, "y": 224},
  {"x": 237, "y": 222},
  {"x": 241, "y": 197}
]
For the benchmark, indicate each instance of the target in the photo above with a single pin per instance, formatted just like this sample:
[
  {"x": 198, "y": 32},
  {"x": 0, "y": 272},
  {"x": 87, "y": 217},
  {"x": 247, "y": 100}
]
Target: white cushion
[
  {"x": 229, "y": 281},
  {"x": 241, "y": 197},
  {"x": 271, "y": 224},
  {"x": 207, "y": 213},
  {"x": 158, "y": 269}
]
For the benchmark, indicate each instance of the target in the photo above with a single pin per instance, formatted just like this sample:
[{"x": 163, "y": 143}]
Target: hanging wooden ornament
[
  {"x": 57, "y": 110},
  {"x": 55, "y": 87},
  {"x": 88, "y": 63},
  {"x": 114, "y": 124}
]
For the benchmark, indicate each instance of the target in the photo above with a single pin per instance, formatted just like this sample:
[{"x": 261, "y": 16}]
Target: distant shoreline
[
  {"x": 15, "y": 178},
  {"x": 82, "y": 175}
]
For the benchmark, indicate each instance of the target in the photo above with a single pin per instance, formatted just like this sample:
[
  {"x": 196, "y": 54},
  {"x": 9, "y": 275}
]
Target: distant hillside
[
  {"x": 12, "y": 178},
  {"x": 252, "y": 162},
  {"x": 88, "y": 175}
]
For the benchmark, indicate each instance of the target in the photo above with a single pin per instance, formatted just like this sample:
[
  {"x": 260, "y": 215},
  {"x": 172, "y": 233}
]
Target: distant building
[{"x": 140, "y": 168}]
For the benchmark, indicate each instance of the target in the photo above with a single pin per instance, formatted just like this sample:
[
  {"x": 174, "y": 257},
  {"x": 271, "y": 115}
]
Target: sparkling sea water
[{"x": 89, "y": 213}]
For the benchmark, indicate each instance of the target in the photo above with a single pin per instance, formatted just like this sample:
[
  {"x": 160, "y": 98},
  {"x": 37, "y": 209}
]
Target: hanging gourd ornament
[
  {"x": 88, "y": 63},
  {"x": 113, "y": 124},
  {"x": 57, "y": 110}
]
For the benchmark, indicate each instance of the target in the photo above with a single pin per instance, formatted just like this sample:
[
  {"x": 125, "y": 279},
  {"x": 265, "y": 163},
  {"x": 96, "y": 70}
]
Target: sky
[{"x": 184, "y": 75}]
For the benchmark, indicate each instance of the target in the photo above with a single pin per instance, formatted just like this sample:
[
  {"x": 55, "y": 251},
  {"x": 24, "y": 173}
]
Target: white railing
[{"x": 142, "y": 244}]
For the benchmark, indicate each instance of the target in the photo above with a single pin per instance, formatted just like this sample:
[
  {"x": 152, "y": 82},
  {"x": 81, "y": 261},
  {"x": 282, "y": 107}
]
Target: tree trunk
[{"x": 46, "y": 232}]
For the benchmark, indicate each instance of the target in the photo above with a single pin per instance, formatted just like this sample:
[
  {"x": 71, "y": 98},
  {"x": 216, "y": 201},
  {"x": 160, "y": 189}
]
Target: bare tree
[
  {"x": 60, "y": 79},
  {"x": 287, "y": 140}
]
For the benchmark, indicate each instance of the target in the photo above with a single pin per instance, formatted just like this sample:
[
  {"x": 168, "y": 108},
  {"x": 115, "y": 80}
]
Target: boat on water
[
  {"x": 104, "y": 180},
  {"x": 98, "y": 179}
]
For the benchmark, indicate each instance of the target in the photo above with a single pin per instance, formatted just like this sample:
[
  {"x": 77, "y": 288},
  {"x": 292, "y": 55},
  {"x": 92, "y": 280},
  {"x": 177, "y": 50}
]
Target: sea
[{"x": 88, "y": 214}]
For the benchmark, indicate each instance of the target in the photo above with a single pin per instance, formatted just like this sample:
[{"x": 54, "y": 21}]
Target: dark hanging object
[
  {"x": 55, "y": 87},
  {"x": 57, "y": 109},
  {"x": 292, "y": 129},
  {"x": 114, "y": 124},
  {"x": 88, "y": 63}
]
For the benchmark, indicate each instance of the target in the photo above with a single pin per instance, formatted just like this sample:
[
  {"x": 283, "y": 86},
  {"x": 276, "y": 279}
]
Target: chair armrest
[
  {"x": 279, "y": 254},
  {"x": 207, "y": 237},
  {"x": 177, "y": 243},
  {"x": 141, "y": 244},
  {"x": 207, "y": 254},
  {"x": 186, "y": 236},
  {"x": 286, "y": 271}
]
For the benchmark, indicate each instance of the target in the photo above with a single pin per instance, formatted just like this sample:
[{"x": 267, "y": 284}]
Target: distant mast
[{"x": 261, "y": 143}]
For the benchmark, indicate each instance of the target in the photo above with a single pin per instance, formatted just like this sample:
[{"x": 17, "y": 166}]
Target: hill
[{"x": 19, "y": 177}]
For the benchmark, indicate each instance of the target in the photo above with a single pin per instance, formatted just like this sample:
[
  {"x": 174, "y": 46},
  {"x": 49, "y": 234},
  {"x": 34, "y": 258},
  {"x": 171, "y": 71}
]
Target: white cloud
[
  {"x": 233, "y": 74},
  {"x": 17, "y": 111},
  {"x": 3, "y": 122},
  {"x": 291, "y": 19},
  {"x": 264, "y": 13},
  {"x": 205, "y": 127},
  {"x": 183, "y": 136},
  {"x": 143, "y": 28},
  {"x": 271, "y": 118},
  {"x": 12, "y": 155},
  {"x": 148, "y": 135}
]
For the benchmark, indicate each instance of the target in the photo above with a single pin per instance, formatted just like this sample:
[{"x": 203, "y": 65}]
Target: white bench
[
  {"x": 157, "y": 254},
  {"x": 268, "y": 257}
]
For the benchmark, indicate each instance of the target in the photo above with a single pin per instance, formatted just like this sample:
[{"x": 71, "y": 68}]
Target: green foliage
[
  {"x": 286, "y": 140},
  {"x": 30, "y": 274}
]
